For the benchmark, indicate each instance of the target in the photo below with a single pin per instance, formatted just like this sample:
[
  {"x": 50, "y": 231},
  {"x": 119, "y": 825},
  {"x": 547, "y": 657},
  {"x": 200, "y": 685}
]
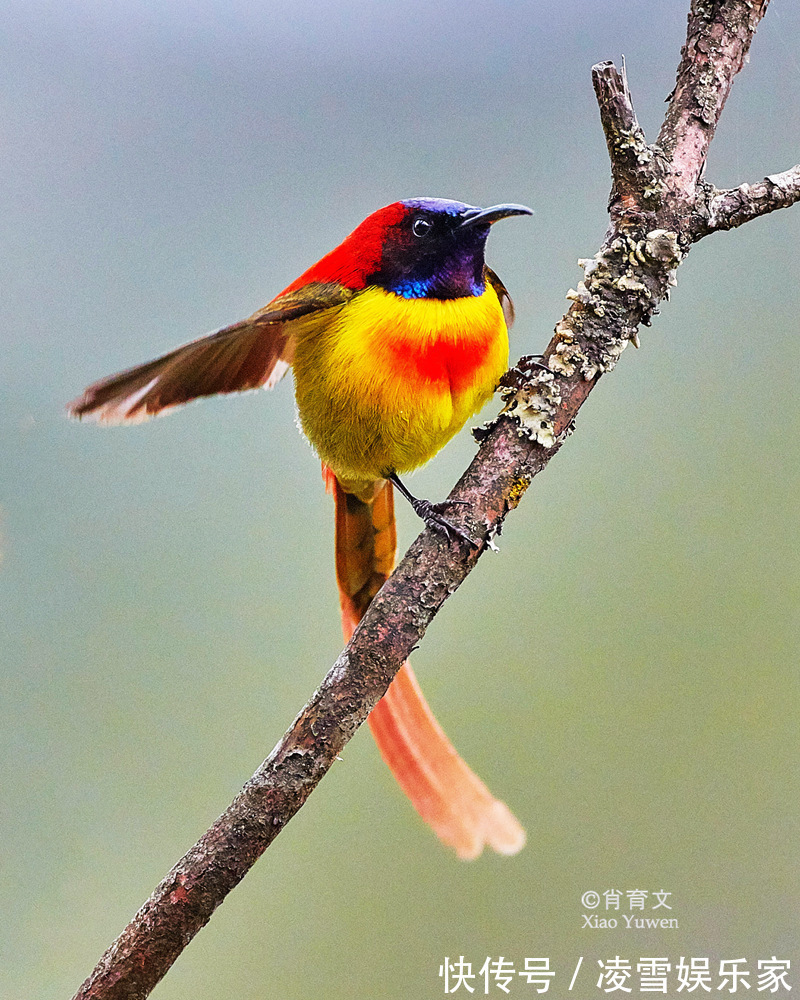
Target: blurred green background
[{"x": 623, "y": 673}]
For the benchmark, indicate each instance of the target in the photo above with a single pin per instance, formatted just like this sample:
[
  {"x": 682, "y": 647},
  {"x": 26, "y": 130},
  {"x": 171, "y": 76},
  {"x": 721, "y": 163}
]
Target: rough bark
[{"x": 659, "y": 206}]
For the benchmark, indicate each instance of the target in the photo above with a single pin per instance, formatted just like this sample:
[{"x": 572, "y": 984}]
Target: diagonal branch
[
  {"x": 659, "y": 207},
  {"x": 718, "y": 39}
]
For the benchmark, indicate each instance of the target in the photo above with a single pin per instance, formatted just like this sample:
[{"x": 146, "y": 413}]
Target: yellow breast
[{"x": 384, "y": 382}]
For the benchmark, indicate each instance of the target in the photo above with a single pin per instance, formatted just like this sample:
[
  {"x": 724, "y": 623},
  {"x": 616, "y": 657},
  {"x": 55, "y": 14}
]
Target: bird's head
[
  {"x": 419, "y": 248},
  {"x": 431, "y": 247}
]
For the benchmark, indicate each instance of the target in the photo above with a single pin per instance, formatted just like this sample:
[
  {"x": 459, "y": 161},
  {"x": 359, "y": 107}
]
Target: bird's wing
[
  {"x": 502, "y": 294},
  {"x": 248, "y": 355}
]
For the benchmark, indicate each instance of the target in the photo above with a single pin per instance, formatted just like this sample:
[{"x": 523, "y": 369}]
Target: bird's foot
[
  {"x": 523, "y": 371},
  {"x": 538, "y": 361},
  {"x": 433, "y": 513},
  {"x": 433, "y": 516}
]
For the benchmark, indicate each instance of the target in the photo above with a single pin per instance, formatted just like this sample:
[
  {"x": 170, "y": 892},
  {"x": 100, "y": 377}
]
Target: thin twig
[{"x": 659, "y": 208}]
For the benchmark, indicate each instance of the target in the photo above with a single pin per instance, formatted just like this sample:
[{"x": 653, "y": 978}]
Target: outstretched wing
[
  {"x": 253, "y": 353},
  {"x": 502, "y": 294}
]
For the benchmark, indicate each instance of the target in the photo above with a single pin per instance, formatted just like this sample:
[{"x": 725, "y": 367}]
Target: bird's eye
[{"x": 421, "y": 227}]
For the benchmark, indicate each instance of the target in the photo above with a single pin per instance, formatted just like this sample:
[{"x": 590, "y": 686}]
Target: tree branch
[
  {"x": 718, "y": 39},
  {"x": 658, "y": 208},
  {"x": 735, "y": 206},
  {"x": 633, "y": 166}
]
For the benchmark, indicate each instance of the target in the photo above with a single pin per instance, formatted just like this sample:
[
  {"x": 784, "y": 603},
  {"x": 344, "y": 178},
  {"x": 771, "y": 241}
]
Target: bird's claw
[{"x": 433, "y": 516}]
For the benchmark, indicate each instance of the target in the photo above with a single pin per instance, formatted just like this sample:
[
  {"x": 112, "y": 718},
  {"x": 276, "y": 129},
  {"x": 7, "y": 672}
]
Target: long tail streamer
[{"x": 445, "y": 792}]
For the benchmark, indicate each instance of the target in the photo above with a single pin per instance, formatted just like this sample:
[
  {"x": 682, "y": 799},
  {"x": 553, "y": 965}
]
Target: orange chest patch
[
  {"x": 455, "y": 362},
  {"x": 450, "y": 345}
]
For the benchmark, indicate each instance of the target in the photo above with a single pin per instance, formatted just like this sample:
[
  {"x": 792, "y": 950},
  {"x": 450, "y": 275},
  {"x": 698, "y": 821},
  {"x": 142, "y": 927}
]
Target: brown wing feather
[
  {"x": 502, "y": 294},
  {"x": 247, "y": 355}
]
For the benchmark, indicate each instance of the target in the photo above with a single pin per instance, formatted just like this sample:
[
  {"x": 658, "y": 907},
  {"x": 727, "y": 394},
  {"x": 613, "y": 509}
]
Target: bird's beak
[{"x": 486, "y": 216}]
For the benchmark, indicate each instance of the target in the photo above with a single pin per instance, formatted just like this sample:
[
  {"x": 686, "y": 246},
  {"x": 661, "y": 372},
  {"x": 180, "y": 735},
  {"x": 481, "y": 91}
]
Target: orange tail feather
[{"x": 445, "y": 792}]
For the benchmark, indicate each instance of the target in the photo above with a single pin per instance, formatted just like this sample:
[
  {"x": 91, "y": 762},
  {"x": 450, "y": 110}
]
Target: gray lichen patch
[
  {"x": 633, "y": 141},
  {"x": 533, "y": 407},
  {"x": 662, "y": 245},
  {"x": 569, "y": 357},
  {"x": 621, "y": 287},
  {"x": 584, "y": 296},
  {"x": 629, "y": 283}
]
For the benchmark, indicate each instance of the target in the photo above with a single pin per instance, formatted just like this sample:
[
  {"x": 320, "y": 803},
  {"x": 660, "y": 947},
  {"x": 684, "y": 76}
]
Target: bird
[{"x": 396, "y": 338}]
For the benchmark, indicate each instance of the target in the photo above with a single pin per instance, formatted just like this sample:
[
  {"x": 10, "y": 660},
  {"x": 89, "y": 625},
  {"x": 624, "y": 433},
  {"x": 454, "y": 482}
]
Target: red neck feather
[{"x": 356, "y": 257}]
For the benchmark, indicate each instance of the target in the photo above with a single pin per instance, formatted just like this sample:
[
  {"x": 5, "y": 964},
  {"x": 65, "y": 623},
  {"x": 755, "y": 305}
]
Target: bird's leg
[{"x": 433, "y": 513}]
